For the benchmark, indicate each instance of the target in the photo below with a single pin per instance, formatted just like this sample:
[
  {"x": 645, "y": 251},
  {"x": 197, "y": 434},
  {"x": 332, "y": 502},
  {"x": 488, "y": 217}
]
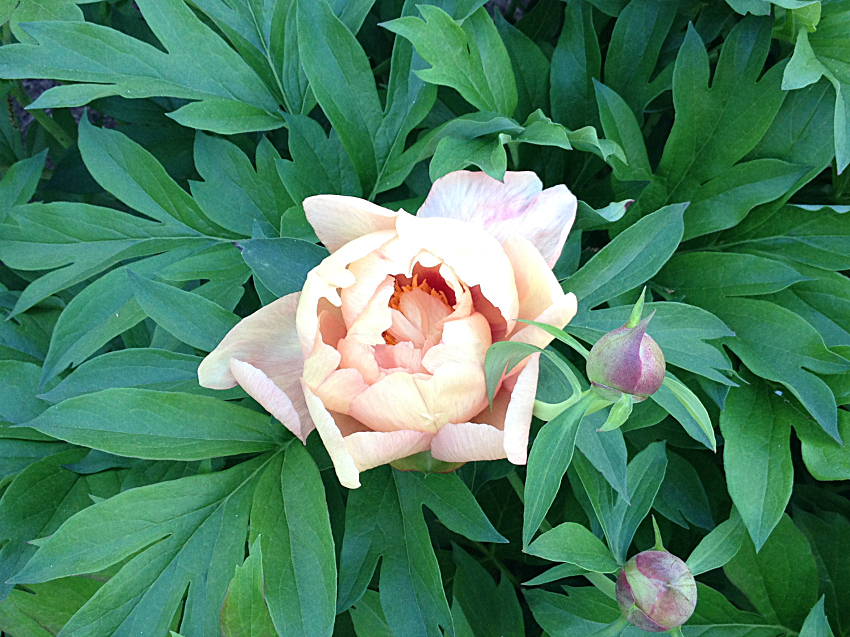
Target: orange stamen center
[{"x": 400, "y": 290}]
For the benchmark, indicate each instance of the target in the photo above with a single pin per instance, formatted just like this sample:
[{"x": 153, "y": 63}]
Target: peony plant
[{"x": 383, "y": 349}]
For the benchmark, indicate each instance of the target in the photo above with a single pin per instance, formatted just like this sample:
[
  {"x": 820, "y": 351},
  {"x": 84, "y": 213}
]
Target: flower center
[{"x": 419, "y": 302}]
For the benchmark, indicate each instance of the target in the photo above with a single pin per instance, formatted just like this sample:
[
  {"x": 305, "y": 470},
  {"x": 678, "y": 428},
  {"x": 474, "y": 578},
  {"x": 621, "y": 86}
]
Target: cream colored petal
[
  {"x": 267, "y": 340},
  {"x": 464, "y": 341},
  {"x": 475, "y": 256},
  {"x": 338, "y": 219},
  {"x": 518, "y": 415},
  {"x": 402, "y": 357},
  {"x": 454, "y": 393},
  {"x": 376, "y": 317},
  {"x": 403, "y": 330},
  {"x": 261, "y": 388},
  {"x": 519, "y": 205},
  {"x": 346, "y": 469},
  {"x": 321, "y": 362},
  {"x": 356, "y": 355},
  {"x": 537, "y": 287},
  {"x": 392, "y": 404},
  {"x": 558, "y": 315},
  {"x": 468, "y": 441},
  {"x": 374, "y": 448},
  {"x": 325, "y": 280},
  {"x": 424, "y": 311}
]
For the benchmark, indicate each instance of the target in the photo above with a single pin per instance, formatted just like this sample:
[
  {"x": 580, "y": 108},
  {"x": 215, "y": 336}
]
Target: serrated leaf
[
  {"x": 491, "y": 610},
  {"x": 142, "y": 423}
]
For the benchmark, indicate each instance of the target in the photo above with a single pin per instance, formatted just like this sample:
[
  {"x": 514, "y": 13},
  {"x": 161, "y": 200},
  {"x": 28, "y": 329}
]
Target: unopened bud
[
  {"x": 626, "y": 360},
  {"x": 656, "y": 591}
]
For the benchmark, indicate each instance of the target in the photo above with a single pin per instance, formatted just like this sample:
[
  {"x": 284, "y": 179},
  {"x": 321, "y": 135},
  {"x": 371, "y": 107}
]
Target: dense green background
[{"x": 173, "y": 209}]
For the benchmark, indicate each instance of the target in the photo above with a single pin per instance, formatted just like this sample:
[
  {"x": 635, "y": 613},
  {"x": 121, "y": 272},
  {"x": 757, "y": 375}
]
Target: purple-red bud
[
  {"x": 626, "y": 360},
  {"x": 656, "y": 591}
]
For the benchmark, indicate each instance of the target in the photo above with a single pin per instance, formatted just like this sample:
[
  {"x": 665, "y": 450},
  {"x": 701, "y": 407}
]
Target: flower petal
[
  {"x": 474, "y": 255},
  {"x": 518, "y": 415},
  {"x": 261, "y": 388},
  {"x": 519, "y": 206},
  {"x": 537, "y": 287},
  {"x": 338, "y": 219},
  {"x": 268, "y": 341},
  {"x": 374, "y": 448},
  {"x": 468, "y": 441},
  {"x": 346, "y": 469},
  {"x": 394, "y": 403},
  {"x": 558, "y": 315}
]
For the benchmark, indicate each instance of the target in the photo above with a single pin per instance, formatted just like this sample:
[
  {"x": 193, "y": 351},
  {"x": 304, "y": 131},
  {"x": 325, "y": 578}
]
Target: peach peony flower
[{"x": 383, "y": 349}]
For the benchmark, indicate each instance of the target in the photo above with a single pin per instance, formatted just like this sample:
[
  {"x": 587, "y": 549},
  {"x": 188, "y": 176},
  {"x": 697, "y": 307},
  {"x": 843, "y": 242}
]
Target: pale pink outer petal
[
  {"x": 468, "y": 441},
  {"x": 338, "y": 219},
  {"x": 374, "y": 448},
  {"x": 558, "y": 315},
  {"x": 475, "y": 256},
  {"x": 518, "y": 415},
  {"x": 517, "y": 206},
  {"x": 346, "y": 469},
  {"x": 261, "y": 388},
  {"x": 268, "y": 341},
  {"x": 537, "y": 287}
]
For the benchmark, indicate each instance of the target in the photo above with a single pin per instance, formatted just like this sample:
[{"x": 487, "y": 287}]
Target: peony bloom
[{"x": 383, "y": 349}]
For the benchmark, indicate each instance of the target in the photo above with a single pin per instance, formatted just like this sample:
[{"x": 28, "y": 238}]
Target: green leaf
[
  {"x": 621, "y": 126},
  {"x": 550, "y": 456},
  {"x": 682, "y": 497},
  {"x": 619, "y": 518},
  {"x": 491, "y": 610},
  {"x": 244, "y": 611},
  {"x": 141, "y": 368},
  {"x": 715, "y": 615},
  {"x": 825, "y": 458},
  {"x": 43, "y": 609},
  {"x": 724, "y": 201},
  {"x": 458, "y": 55},
  {"x": 816, "y": 624},
  {"x": 606, "y": 451},
  {"x": 142, "y": 423},
  {"x": 226, "y": 117},
  {"x": 576, "y": 61},
  {"x": 680, "y": 330},
  {"x": 455, "y": 154},
  {"x": 368, "y": 617},
  {"x": 585, "y": 611},
  {"x": 341, "y": 79},
  {"x": 756, "y": 428},
  {"x": 718, "y": 547},
  {"x": 17, "y": 455},
  {"x": 39, "y": 500},
  {"x": 633, "y": 52},
  {"x": 501, "y": 359},
  {"x": 714, "y": 127},
  {"x": 632, "y": 258},
  {"x": 695, "y": 410},
  {"x": 18, "y": 401},
  {"x": 176, "y": 534},
  {"x": 530, "y": 65},
  {"x": 778, "y": 345},
  {"x": 572, "y": 543},
  {"x": 703, "y": 277},
  {"x": 781, "y": 579},
  {"x": 282, "y": 264},
  {"x": 108, "y": 62},
  {"x": 235, "y": 195},
  {"x": 289, "y": 518},
  {"x": 384, "y": 520},
  {"x": 20, "y": 182}
]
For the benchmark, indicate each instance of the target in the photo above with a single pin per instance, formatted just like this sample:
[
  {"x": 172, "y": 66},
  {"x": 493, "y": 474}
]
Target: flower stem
[{"x": 47, "y": 122}]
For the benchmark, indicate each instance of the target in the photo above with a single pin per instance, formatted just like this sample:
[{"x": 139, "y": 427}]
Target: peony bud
[
  {"x": 656, "y": 591},
  {"x": 626, "y": 360}
]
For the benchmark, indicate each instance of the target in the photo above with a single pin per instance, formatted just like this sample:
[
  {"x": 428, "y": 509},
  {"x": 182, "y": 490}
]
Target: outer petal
[
  {"x": 268, "y": 341},
  {"x": 374, "y": 448},
  {"x": 558, "y": 315},
  {"x": 537, "y": 287},
  {"x": 474, "y": 255},
  {"x": 518, "y": 415},
  {"x": 261, "y": 388},
  {"x": 516, "y": 206},
  {"x": 338, "y": 219},
  {"x": 346, "y": 469},
  {"x": 468, "y": 441}
]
